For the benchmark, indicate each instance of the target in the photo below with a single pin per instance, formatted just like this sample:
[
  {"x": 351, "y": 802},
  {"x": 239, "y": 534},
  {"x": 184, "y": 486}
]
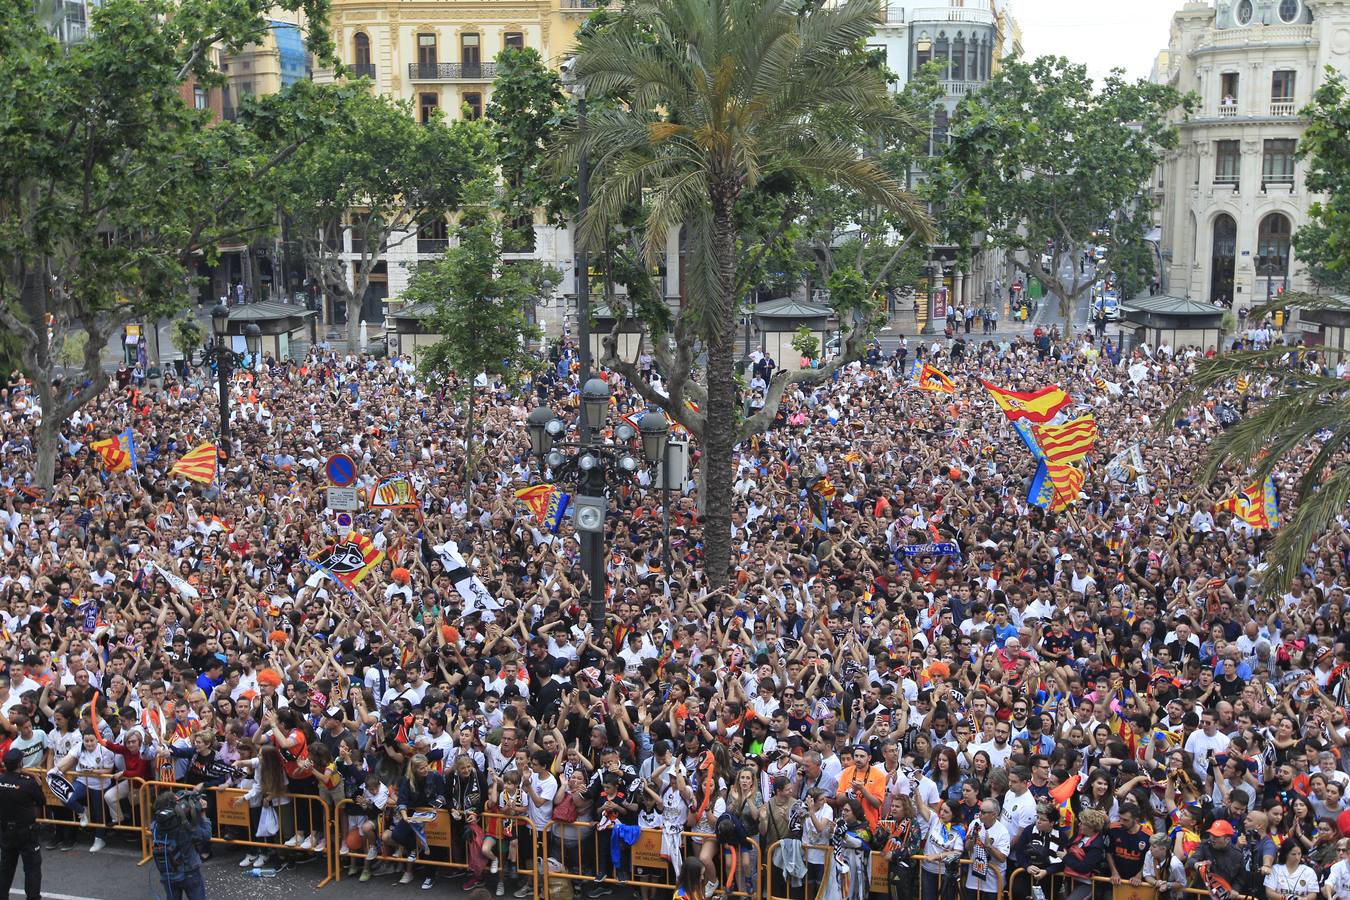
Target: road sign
[
  {"x": 344, "y": 520},
  {"x": 342, "y": 498},
  {"x": 341, "y": 469}
]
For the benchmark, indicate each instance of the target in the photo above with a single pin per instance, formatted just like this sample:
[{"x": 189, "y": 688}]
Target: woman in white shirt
[
  {"x": 945, "y": 842},
  {"x": 1289, "y": 879},
  {"x": 90, "y": 760},
  {"x": 1337, "y": 886}
]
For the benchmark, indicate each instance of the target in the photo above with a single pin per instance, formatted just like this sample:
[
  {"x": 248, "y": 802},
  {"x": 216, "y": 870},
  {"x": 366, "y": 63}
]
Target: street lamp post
[
  {"x": 217, "y": 350},
  {"x": 592, "y": 465},
  {"x": 581, "y": 260}
]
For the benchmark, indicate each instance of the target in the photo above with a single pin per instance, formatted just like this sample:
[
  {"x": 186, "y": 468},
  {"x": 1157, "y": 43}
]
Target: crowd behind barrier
[{"x": 922, "y": 676}]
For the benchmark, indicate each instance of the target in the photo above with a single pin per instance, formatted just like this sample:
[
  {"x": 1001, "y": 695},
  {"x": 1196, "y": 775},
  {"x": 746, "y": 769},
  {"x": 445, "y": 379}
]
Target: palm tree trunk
[{"x": 719, "y": 435}]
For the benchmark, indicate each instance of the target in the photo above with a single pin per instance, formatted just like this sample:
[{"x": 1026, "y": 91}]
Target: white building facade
[{"x": 1232, "y": 193}]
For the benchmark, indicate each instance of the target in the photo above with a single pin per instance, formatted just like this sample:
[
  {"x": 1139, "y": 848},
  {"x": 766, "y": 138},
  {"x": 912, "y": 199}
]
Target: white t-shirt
[
  {"x": 1300, "y": 881},
  {"x": 1199, "y": 744},
  {"x": 981, "y": 874},
  {"x": 818, "y": 837},
  {"x": 998, "y": 758},
  {"x": 1018, "y": 812},
  {"x": 1338, "y": 880},
  {"x": 545, "y": 786}
]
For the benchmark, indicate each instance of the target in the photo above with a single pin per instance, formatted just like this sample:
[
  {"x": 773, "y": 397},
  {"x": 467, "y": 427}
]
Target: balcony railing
[
  {"x": 364, "y": 70},
  {"x": 452, "y": 71},
  {"x": 1282, "y": 108},
  {"x": 960, "y": 88},
  {"x": 893, "y": 15},
  {"x": 1231, "y": 181},
  {"x": 969, "y": 15},
  {"x": 1227, "y": 110},
  {"x": 432, "y": 245},
  {"x": 578, "y": 5}
]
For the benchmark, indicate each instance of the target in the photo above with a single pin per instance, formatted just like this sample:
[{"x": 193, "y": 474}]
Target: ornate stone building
[{"x": 1232, "y": 194}]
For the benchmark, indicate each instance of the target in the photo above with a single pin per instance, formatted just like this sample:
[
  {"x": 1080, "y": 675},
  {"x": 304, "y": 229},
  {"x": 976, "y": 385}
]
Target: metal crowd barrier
[
  {"x": 57, "y": 815},
  {"x": 229, "y": 819},
  {"x": 447, "y": 840},
  {"x": 1057, "y": 884}
]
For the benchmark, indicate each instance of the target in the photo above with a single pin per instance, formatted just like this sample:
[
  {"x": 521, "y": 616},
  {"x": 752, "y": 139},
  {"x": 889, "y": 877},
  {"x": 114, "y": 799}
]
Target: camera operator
[
  {"x": 179, "y": 832},
  {"x": 20, "y": 800}
]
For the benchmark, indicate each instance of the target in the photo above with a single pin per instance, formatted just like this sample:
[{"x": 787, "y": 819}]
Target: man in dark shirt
[
  {"x": 20, "y": 800},
  {"x": 1127, "y": 846},
  {"x": 1217, "y": 857}
]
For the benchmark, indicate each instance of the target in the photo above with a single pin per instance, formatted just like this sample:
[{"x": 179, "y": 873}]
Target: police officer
[{"x": 20, "y": 800}]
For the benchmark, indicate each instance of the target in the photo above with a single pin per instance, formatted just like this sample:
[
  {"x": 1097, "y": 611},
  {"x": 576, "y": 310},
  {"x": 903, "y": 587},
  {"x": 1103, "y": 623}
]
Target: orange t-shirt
[
  {"x": 874, "y": 780},
  {"x": 298, "y": 751}
]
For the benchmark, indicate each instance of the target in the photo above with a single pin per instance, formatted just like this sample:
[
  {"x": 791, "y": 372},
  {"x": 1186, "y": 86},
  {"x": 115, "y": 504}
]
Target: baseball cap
[{"x": 1222, "y": 827}]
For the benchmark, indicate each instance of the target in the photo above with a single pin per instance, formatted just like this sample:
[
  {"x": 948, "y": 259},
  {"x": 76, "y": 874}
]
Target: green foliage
[
  {"x": 1323, "y": 244},
  {"x": 187, "y": 335},
  {"x": 72, "y": 348},
  {"x": 526, "y": 109},
  {"x": 480, "y": 303},
  {"x": 1128, "y": 255},
  {"x": 1042, "y": 154},
  {"x": 380, "y": 173},
  {"x": 110, "y": 184},
  {"x": 806, "y": 343}
]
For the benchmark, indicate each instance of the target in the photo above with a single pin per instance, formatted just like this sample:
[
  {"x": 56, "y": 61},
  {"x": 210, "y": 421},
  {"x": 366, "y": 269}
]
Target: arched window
[
  {"x": 361, "y": 49},
  {"x": 1223, "y": 255},
  {"x": 942, "y": 54},
  {"x": 1272, "y": 245},
  {"x": 959, "y": 57},
  {"x": 973, "y": 60}
]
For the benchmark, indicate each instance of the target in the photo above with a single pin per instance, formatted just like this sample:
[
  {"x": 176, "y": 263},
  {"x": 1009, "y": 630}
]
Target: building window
[
  {"x": 1272, "y": 245},
  {"x": 942, "y": 55},
  {"x": 1223, "y": 258},
  {"x": 959, "y": 58},
  {"x": 1228, "y": 89},
  {"x": 473, "y": 105},
  {"x": 1227, "y": 162},
  {"x": 361, "y": 49},
  {"x": 923, "y": 51},
  {"x": 1244, "y": 12},
  {"x": 1277, "y": 164},
  {"x": 1289, "y": 10},
  {"x": 199, "y": 98},
  {"x": 470, "y": 55},
  {"x": 426, "y": 55},
  {"x": 429, "y": 106},
  {"x": 1282, "y": 86},
  {"x": 433, "y": 238},
  {"x": 513, "y": 40},
  {"x": 939, "y": 135},
  {"x": 973, "y": 60}
]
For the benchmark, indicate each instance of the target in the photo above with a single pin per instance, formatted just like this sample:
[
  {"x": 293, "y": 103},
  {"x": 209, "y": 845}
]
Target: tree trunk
[
  {"x": 719, "y": 435},
  {"x": 353, "y": 322}
]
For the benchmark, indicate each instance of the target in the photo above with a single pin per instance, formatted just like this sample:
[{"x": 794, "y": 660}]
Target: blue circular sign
[
  {"x": 344, "y": 520},
  {"x": 341, "y": 469}
]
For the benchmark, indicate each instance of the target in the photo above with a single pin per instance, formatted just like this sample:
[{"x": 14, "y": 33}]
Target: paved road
[{"x": 112, "y": 874}]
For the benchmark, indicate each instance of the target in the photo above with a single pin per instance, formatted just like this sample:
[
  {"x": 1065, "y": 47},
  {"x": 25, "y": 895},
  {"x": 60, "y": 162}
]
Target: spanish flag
[
  {"x": 198, "y": 464},
  {"x": 1069, "y": 442},
  {"x": 929, "y": 378},
  {"x": 1040, "y": 406}
]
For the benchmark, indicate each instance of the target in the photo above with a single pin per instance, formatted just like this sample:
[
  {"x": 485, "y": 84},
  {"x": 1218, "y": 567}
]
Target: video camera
[{"x": 179, "y": 810}]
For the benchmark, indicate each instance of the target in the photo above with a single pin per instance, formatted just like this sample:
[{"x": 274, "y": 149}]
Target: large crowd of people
[{"x": 993, "y": 697}]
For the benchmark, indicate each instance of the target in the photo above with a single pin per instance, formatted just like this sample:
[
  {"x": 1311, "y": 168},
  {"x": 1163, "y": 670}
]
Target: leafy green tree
[
  {"x": 480, "y": 311},
  {"x": 1131, "y": 258},
  {"x": 187, "y": 334},
  {"x": 526, "y": 109},
  {"x": 110, "y": 185},
  {"x": 1301, "y": 428},
  {"x": 718, "y": 97},
  {"x": 383, "y": 177},
  {"x": 1323, "y": 244},
  {"x": 1040, "y": 155},
  {"x": 806, "y": 343}
]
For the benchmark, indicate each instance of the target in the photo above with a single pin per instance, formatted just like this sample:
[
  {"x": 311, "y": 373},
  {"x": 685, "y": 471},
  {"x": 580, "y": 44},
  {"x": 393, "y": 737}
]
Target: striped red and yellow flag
[
  {"x": 1068, "y": 442},
  {"x": 1068, "y": 482},
  {"x": 198, "y": 464},
  {"x": 110, "y": 451}
]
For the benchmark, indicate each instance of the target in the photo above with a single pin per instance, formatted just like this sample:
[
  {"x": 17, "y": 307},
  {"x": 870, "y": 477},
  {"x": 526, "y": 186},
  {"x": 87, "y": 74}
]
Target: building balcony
[
  {"x": 1227, "y": 181},
  {"x": 960, "y": 88},
  {"x": 363, "y": 70},
  {"x": 1283, "y": 108},
  {"x": 1268, "y": 181},
  {"x": 967, "y": 15},
  {"x": 577, "y": 7},
  {"x": 893, "y": 15},
  {"x": 432, "y": 245},
  {"x": 1252, "y": 37},
  {"x": 452, "y": 71},
  {"x": 1228, "y": 110}
]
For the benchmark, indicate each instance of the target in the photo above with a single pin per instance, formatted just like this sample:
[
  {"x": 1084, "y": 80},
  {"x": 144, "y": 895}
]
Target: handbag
[{"x": 565, "y": 810}]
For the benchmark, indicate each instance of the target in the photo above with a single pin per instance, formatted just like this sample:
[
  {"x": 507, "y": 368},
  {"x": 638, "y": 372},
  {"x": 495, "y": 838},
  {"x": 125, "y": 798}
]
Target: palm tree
[
  {"x": 1301, "y": 425},
  {"x": 713, "y": 98}
]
